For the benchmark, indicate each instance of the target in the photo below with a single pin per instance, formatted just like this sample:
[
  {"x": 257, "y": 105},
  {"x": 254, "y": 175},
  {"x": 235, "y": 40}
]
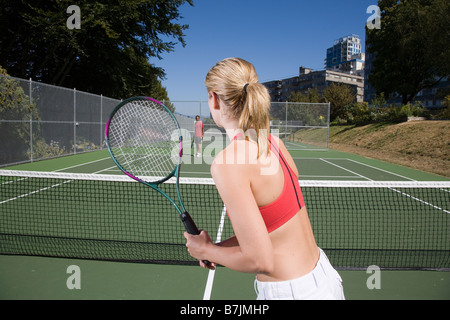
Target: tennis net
[{"x": 393, "y": 225}]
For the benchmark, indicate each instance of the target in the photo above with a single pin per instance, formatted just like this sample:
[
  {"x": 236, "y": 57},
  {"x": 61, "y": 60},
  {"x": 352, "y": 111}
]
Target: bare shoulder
[{"x": 232, "y": 162}]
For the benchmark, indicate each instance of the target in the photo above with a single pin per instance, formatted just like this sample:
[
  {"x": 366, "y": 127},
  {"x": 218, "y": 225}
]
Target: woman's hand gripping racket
[{"x": 144, "y": 140}]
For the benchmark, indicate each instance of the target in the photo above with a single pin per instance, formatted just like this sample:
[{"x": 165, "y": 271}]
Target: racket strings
[{"x": 144, "y": 139}]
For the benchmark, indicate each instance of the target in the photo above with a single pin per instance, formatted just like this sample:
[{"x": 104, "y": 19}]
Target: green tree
[
  {"x": 108, "y": 55},
  {"x": 411, "y": 48},
  {"x": 307, "y": 112},
  {"x": 312, "y": 96},
  {"x": 339, "y": 96},
  {"x": 17, "y": 110}
]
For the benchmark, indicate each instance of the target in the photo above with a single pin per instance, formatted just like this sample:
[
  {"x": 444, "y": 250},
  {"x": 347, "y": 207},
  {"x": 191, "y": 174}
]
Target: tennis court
[{"x": 26, "y": 277}]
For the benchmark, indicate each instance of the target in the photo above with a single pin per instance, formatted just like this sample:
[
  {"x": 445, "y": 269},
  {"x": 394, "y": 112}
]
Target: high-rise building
[
  {"x": 344, "y": 65},
  {"x": 346, "y": 56}
]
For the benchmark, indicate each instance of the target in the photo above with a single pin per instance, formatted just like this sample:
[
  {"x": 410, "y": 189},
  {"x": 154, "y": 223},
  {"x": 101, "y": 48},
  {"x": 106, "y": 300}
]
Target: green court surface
[
  {"x": 23, "y": 277},
  {"x": 46, "y": 278}
]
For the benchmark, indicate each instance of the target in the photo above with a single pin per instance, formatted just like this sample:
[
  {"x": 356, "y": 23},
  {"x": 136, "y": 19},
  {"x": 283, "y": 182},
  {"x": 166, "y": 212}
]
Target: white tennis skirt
[{"x": 322, "y": 283}]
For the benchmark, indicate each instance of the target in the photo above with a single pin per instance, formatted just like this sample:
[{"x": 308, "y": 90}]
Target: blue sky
[{"x": 277, "y": 36}]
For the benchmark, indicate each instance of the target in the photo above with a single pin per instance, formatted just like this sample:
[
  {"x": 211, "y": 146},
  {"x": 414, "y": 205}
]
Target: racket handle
[
  {"x": 189, "y": 224},
  {"x": 191, "y": 228}
]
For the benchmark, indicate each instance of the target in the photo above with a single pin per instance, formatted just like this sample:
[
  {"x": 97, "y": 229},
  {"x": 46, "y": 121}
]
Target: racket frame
[{"x": 184, "y": 215}]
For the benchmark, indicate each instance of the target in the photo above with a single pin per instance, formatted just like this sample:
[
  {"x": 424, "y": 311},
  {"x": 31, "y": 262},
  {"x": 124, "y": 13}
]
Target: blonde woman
[{"x": 273, "y": 237}]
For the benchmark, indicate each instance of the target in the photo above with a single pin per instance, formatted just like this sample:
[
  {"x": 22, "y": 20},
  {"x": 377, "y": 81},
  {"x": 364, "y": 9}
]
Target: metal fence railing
[{"x": 40, "y": 121}]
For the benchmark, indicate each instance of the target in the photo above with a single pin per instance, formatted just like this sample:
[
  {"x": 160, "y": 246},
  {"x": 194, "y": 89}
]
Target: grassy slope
[{"x": 422, "y": 145}]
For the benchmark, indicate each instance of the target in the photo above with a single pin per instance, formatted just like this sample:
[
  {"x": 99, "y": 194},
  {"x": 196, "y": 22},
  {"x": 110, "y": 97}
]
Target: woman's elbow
[{"x": 264, "y": 265}]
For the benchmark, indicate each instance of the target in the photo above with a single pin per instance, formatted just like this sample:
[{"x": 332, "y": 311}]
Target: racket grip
[
  {"x": 189, "y": 224},
  {"x": 191, "y": 228}
]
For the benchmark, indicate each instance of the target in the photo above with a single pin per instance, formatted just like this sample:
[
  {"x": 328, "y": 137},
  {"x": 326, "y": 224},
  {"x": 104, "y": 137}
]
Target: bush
[
  {"x": 363, "y": 113},
  {"x": 444, "y": 113},
  {"x": 42, "y": 150},
  {"x": 397, "y": 114}
]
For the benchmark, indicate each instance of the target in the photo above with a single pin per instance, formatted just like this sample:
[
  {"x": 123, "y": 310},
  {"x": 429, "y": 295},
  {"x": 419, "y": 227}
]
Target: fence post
[
  {"x": 74, "y": 121},
  {"x": 101, "y": 121},
  {"x": 285, "y": 124},
  {"x": 328, "y": 126},
  {"x": 31, "y": 124}
]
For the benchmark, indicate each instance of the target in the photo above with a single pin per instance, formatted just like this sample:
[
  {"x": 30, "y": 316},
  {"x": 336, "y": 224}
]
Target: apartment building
[
  {"x": 344, "y": 64},
  {"x": 281, "y": 90}
]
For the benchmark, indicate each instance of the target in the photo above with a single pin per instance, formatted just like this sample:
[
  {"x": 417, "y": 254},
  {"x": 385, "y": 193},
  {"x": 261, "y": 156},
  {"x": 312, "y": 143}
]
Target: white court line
[
  {"x": 35, "y": 191},
  {"x": 293, "y": 144},
  {"x": 389, "y": 172},
  {"x": 395, "y": 190},
  {"x": 420, "y": 200},
  {"x": 43, "y": 189},
  {"x": 81, "y": 164},
  {"x": 78, "y": 165},
  {"x": 361, "y": 163},
  {"x": 352, "y": 172},
  {"x": 209, "y": 282}
]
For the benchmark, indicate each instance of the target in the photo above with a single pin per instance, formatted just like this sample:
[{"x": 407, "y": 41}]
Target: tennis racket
[{"x": 144, "y": 140}]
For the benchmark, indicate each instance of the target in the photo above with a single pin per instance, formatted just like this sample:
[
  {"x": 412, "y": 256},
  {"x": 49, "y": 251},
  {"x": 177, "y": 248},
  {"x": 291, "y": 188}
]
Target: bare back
[{"x": 294, "y": 247}]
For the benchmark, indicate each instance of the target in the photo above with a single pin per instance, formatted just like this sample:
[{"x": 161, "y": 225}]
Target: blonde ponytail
[
  {"x": 255, "y": 114},
  {"x": 235, "y": 81}
]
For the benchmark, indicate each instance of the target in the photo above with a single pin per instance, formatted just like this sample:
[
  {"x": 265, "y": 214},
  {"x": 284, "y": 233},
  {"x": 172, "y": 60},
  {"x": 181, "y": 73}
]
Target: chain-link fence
[
  {"x": 302, "y": 126},
  {"x": 40, "y": 121}
]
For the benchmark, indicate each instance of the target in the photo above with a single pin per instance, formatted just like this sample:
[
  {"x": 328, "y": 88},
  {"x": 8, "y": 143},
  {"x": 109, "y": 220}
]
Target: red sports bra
[{"x": 289, "y": 202}]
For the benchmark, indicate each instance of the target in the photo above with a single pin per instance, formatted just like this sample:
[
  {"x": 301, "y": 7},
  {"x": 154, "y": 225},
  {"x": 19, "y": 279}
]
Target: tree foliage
[
  {"x": 17, "y": 110},
  {"x": 339, "y": 96},
  {"x": 108, "y": 55},
  {"x": 312, "y": 96},
  {"x": 411, "y": 47}
]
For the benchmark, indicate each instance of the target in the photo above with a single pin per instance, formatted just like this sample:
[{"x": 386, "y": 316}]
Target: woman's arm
[
  {"x": 251, "y": 248},
  {"x": 230, "y": 242}
]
